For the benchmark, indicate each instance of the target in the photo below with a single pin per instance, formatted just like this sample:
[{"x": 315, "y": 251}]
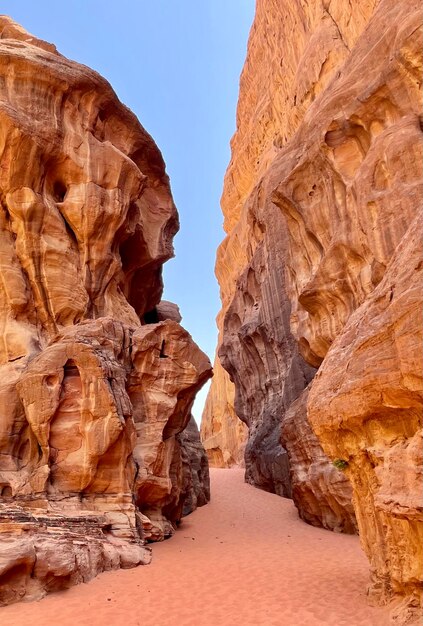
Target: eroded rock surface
[
  {"x": 223, "y": 435},
  {"x": 262, "y": 359},
  {"x": 97, "y": 379},
  {"x": 369, "y": 391},
  {"x": 321, "y": 492},
  {"x": 350, "y": 189},
  {"x": 320, "y": 199},
  {"x": 256, "y": 343},
  {"x": 196, "y": 469}
]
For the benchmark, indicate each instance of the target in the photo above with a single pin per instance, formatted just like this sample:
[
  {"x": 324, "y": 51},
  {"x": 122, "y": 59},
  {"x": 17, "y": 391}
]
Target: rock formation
[
  {"x": 223, "y": 435},
  {"x": 196, "y": 482},
  {"x": 321, "y": 492},
  {"x": 255, "y": 325},
  {"x": 369, "y": 391},
  {"x": 262, "y": 359},
  {"x": 97, "y": 377},
  {"x": 317, "y": 271}
]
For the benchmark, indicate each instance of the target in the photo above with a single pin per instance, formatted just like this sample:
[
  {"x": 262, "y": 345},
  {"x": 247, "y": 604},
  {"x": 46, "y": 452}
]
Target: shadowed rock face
[
  {"x": 96, "y": 384},
  {"x": 261, "y": 356},
  {"x": 280, "y": 81},
  {"x": 317, "y": 267},
  {"x": 321, "y": 492},
  {"x": 196, "y": 469}
]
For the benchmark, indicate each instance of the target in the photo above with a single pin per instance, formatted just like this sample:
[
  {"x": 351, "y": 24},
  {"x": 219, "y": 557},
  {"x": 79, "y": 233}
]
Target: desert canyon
[{"x": 317, "y": 390}]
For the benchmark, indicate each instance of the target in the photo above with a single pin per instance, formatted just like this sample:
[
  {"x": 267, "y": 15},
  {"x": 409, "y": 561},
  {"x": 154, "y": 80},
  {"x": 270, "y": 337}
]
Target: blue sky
[{"x": 176, "y": 64}]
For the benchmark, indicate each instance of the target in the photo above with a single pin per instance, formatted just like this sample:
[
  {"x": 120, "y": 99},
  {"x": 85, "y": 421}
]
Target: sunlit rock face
[
  {"x": 223, "y": 435},
  {"x": 97, "y": 380},
  {"x": 294, "y": 51},
  {"x": 350, "y": 188},
  {"x": 317, "y": 270},
  {"x": 369, "y": 392}
]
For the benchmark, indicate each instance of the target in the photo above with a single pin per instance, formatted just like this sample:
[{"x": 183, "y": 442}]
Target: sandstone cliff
[
  {"x": 254, "y": 322},
  {"x": 97, "y": 379},
  {"x": 223, "y": 435},
  {"x": 323, "y": 186}
]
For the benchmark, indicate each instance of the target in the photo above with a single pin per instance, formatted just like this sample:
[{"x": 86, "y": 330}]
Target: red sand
[{"x": 246, "y": 559}]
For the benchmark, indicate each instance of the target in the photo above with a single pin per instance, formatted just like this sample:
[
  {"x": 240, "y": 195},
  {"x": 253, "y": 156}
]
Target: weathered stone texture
[
  {"x": 223, "y": 435},
  {"x": 323, "y": 187},
  {"x": 369, "y": 391},
  {"x": 261, "y": 356},
  {"x": 350, "y": 189},
  {"x": 196, "y": 483},
  {"x": 280, "y": 80},
  {"x": 350, "y": 181},
  {"x": 95, "y": 390},
  {"x": 321, "y": 492}
]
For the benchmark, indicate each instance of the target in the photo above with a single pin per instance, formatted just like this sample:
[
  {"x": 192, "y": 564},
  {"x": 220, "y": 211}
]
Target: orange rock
[
  {"x": 321, "y": 492},
  {"x": 350, "y": 188},
  {"x": 280, "y": 80},
  {"x": 369, "y": 391},
  {"x": 320, "y": 266},
  {"x": 95, "y": 390},
  {"x": 223, "y": 434}
]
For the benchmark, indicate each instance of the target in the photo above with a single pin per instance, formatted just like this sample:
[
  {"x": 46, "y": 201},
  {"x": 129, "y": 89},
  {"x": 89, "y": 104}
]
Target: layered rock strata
[
  {"x": 97, "y": 377},
  {"x": 317, "y": 270}
]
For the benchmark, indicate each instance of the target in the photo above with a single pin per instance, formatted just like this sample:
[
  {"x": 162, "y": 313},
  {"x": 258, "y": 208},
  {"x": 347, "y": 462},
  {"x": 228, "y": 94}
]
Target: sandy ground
[{"x": 244, "y": 560}]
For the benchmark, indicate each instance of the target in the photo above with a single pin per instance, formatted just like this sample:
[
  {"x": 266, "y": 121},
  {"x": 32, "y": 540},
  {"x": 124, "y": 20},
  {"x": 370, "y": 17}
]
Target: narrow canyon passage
[{"x": 245, "y": 559}]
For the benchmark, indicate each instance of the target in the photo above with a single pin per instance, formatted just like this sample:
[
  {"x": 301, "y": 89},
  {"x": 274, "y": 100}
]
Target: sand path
[{"x": 243, "y": 560}]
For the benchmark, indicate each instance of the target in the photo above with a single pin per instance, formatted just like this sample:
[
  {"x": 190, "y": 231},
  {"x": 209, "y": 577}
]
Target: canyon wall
[
  {"x": 319, "y": 272},
  {"x": 223, "y": 435},
  {"x": 97, "y": 377}
]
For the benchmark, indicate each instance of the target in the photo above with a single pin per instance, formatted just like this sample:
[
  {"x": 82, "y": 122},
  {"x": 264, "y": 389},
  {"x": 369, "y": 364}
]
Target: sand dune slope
[{"x": 244, "y": 560}]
